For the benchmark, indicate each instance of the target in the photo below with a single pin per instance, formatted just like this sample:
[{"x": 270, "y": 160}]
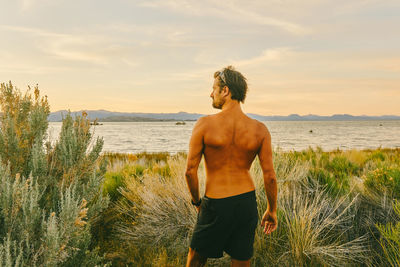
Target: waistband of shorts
[{"x": 249, "y": 194}]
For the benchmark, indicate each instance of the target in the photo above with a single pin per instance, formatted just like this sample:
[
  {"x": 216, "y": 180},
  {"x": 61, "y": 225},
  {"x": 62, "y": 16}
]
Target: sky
[{"x": 304, "y": 57}]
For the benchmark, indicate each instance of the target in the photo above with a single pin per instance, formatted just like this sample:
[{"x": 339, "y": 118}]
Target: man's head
[{"x": 229, "y": 85}]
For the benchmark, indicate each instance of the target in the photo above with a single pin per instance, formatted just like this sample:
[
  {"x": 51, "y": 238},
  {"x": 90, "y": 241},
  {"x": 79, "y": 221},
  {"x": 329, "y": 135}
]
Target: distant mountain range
[{"x": 104, "y": 115}]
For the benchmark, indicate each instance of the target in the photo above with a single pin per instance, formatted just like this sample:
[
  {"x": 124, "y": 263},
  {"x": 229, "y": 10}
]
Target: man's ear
[{"x": 225, "y": 91}]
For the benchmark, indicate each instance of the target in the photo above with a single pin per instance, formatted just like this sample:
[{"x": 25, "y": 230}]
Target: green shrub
[
  {"x": 50, "y": 194},
  {"x": 23, "y": 126},
  {"x": 377, "y": 155},
  {"x": 115, "y": 179},
  {"x": 386, "y": 178},
  {"x": 112, "y": 182},
  {"x": 340, "y": 164},
  {"x": 335, "y": 184},
  {"x": 133, "y": 170}
]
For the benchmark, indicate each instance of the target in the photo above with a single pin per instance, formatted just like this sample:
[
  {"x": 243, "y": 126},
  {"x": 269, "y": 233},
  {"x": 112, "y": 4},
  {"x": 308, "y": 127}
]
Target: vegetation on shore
[
  {"x": 67, "y": 204},
  {"x": 334, "y": 208}
]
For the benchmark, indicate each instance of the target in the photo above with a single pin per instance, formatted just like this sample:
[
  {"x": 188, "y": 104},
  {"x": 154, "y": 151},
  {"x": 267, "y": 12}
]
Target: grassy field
[{"x": 334, "y": 208}]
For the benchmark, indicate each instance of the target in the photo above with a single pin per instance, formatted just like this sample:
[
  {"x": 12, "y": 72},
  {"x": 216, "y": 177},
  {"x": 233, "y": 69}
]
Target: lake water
[{"x": 133, "y": 137}]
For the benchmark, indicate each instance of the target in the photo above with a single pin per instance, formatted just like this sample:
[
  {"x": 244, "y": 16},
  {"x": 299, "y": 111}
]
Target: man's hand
[
  {"x": 198, "y": 208},
  {"x": 269, "y": 222}
]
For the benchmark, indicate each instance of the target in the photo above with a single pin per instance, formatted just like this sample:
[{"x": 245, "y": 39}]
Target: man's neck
[{"x": 232, "y": 106}]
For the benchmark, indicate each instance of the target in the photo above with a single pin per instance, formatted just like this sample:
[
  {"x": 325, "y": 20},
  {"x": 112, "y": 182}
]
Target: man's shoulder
[
  {"x": 203, "y": 120},
  {"x": 207, "y": 119},
  {"x": 261, "y": 128},
  {"x": 208, "y": 122},
  {"x": 256, "y": 123},
  {"x": 201, "y": 123}
]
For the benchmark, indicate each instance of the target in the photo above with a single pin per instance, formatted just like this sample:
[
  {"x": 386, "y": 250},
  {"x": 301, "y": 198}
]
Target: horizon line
[{"x": 291, "y": 114}]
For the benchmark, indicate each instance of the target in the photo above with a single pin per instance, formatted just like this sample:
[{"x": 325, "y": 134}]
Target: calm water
[{"x": 136, "y": 137}]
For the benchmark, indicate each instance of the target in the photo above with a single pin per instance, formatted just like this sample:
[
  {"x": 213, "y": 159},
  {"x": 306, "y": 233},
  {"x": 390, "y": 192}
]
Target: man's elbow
[
  {"x": 190, "y": 173},
  {"x": 270, "y": 177}
]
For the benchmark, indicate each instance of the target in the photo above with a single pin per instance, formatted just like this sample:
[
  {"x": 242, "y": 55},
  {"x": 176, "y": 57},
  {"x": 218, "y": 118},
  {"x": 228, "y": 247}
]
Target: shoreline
[{"x": 163, "y": 156}]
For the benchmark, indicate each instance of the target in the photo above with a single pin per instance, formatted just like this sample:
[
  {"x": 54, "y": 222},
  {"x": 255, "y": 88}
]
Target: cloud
[
  {"x": 249, "y": 16},
  {"x": 155, "y": 34},
  {"x": 73, "y": 47},
  {"x": 34, "y": 31},
  {"x": 268, "y": 55},
  {"x": 230, "y": 11},
  {"x": 26, "y": 5}
]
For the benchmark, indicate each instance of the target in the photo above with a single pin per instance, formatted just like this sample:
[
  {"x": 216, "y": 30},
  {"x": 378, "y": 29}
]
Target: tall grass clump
[
  {"x": 312, "y": 224},
  {"x": 390, "y": 238},
  {"x": 313, "y": 227},
  {"x": 50, "y": 194},
  {"x": 126, "y": 170},
  {"x": 158, "y": 215}
]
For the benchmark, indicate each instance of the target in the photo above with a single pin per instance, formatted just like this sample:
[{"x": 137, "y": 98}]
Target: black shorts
[{"x": 226, "y": 224}]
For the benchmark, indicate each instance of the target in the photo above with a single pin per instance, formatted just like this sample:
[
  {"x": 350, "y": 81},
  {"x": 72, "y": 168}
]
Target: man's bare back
[{"x": 231, "y": 142}]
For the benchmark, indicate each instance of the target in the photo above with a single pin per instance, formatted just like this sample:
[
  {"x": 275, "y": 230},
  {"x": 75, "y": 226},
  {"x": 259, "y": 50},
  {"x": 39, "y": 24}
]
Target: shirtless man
[{"x": 227, "y": 214}]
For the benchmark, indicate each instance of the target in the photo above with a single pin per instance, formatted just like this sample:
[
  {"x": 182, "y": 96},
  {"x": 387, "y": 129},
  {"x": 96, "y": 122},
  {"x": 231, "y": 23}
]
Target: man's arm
[
  {"x": 269, "y": 220},
  {"x": 196, "y": 146}
]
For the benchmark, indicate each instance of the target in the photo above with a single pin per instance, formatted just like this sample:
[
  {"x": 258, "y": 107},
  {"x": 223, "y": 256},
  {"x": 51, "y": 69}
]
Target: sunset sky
[{"x": 305, "y": 57}]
